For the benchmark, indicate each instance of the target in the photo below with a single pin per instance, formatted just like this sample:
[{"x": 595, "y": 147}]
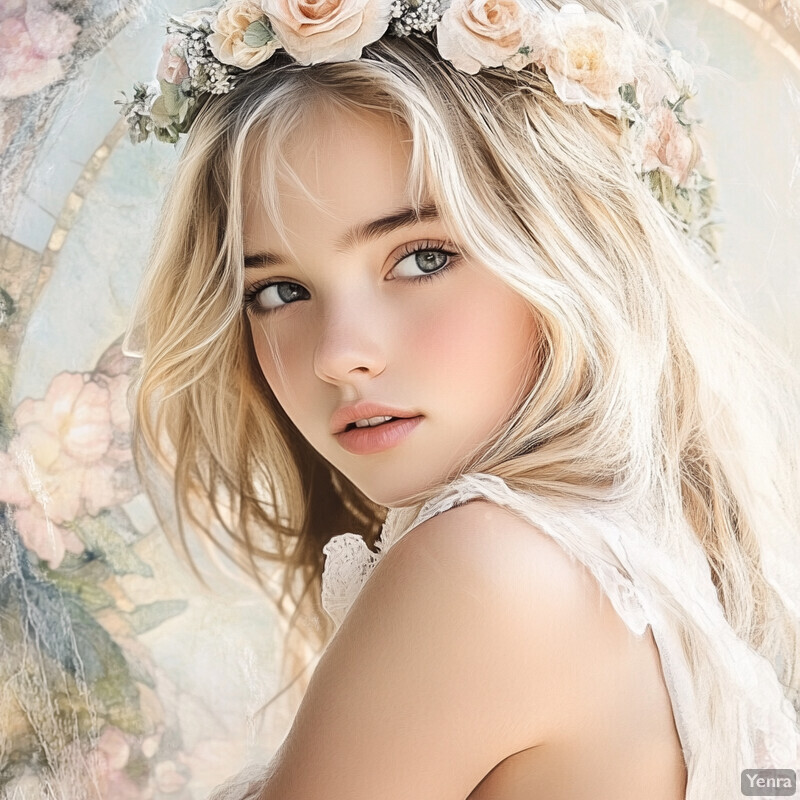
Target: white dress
[{"x": 731, "y": 713}]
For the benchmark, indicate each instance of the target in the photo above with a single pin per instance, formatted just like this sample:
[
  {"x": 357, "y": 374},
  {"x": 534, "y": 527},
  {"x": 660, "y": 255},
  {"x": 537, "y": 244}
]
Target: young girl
[{"x": 427, "y": 323}]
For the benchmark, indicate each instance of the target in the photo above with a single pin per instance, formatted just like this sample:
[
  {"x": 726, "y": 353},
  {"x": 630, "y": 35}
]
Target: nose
[{"x": 351, "y": 343}]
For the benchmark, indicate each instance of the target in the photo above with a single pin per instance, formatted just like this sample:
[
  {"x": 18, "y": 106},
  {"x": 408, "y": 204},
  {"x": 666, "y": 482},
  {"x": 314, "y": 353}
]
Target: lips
[
  {"x": 377, "y": 438},
  {"x": 365, "y": 409},
  {"x": 351, "y": 425}
]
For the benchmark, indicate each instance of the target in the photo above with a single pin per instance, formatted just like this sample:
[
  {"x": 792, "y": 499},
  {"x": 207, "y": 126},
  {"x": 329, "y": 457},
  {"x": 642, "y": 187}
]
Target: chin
[{"x": 391, "y": 489}]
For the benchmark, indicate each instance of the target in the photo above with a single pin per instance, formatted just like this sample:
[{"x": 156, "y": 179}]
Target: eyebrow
[{"x": 359, "y": 234}]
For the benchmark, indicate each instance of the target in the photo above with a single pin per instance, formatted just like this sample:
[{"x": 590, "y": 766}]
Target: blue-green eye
[
  {"x": 268, "y": 296},
  {"x": 430, "y": 260}
]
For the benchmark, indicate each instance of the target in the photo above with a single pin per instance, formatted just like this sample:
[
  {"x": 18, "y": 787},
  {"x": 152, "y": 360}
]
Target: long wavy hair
[{"x": 650, "y": 388}]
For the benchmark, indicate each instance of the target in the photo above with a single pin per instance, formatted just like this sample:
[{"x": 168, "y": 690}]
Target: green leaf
[
  {"x": 7, "y": 308},
  {"x": 89, "y": 565},
  {"x": 161, "y": 117},
  {"x": 683, "y": 204},
  {"x": 654, "y": 184},
  {"x": 259, "y": 33},
  {"x": 183, "y": 110},
  {"x": 87, "y": 592},
  {"x": 171, "y": 95},
  {"x": 167, "y": 134},
  {"x": 677, "y": 106},
  {"x": 146, "y": 617},
  {"x": 100, "y": 536},
  {"x": 628, "y": 93},
  {"x": 667, "y": 188}
]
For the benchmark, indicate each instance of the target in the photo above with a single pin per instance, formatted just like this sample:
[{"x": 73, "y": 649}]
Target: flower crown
[{"x": 586, "y": 57}]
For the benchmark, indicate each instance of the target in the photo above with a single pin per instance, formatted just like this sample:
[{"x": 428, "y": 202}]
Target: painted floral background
[{"x": 122, "y": 676}]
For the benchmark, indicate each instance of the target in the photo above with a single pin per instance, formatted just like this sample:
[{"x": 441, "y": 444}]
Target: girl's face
[{"x": 359, "y": 317}]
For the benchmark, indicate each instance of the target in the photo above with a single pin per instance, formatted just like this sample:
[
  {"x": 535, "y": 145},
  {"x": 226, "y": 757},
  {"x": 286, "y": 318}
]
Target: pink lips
[
  {"x": 363, "y": 441},
  {"x": 366, "y": 409}
]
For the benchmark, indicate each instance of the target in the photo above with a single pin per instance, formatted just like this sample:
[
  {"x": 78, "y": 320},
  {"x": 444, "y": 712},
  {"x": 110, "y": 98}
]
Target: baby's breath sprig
[
  {"x": 206, "y": 73},
  {"x": 421, "y": 16}
]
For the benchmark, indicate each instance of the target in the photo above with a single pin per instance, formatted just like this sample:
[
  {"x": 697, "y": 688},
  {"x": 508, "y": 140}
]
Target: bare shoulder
[
  {"x": 494, "y": 542},
  {"x": 475, "y": 637},
  {"x": 515, "y": 564},
  {"x": 514, "y": 591}
]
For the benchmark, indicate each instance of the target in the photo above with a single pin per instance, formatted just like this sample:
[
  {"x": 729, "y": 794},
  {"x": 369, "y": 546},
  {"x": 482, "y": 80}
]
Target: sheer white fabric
[{"x": 730, "y": 710}]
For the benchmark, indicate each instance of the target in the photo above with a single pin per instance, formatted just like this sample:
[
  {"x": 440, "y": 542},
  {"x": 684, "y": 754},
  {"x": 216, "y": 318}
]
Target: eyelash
[{"x": 251, "y": 305}]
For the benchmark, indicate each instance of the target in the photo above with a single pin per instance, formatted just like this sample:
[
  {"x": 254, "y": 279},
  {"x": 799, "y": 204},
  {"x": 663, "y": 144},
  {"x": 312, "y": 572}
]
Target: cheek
[
  {"x": 480, "y": 336},
  {"x": 276, "y": 362}
]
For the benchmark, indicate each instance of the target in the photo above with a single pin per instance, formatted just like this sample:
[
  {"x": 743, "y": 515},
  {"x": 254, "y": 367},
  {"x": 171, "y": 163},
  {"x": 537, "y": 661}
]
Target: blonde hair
[{"x": 649, "y": 389}]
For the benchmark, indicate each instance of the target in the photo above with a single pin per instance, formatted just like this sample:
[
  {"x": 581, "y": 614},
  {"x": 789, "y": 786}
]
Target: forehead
[{"x": 336, "y": 168}]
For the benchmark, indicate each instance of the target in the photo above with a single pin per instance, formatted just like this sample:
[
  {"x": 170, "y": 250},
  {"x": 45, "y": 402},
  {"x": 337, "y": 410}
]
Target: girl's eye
[
  {"x": 266, "y": 296},
  {"x": 425, "y": 261},
  {"x": 429, "y": 257}
]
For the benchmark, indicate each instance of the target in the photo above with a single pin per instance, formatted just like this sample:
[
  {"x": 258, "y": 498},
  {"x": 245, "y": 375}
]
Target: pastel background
[{"x": 121, "y": 675}]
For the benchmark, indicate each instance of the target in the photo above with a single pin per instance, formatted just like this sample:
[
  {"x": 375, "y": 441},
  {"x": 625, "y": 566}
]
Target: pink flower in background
[
  {"x": 172, "y": 67},
  {"x": 70, "y": 457},
  {"x": 20, "y": 486},
  {"x": 110, "y": 758},
  {"x": 33, "y": 36},
  {"x": 668, "y": 146},
  {"x": 72, "y": 423}
]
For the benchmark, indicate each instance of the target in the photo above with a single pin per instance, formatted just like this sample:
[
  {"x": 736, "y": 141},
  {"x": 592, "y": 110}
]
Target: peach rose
[
  {"x": 70, "y": 457},
  {"x": 317, "y": 31},
  {"x": 486, "y": 33},
  {"x": 37, "y": 530},
  {"x": 588, "y": 58},
  {"x": 668, "y": 146},
  {"x": 173, "y": 67},
  {"x": 228, "y": 44}
]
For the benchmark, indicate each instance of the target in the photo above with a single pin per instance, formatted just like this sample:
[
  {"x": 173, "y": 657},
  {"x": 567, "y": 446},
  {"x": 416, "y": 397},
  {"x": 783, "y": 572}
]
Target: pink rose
[
  {"x": 317, "y": 31},
  {"x": 588, "y": 58},
  {"x": 73, "y": 421},
  {"x": 227, "y": 43},
  {"x": 70, "y": 457},
  {"x": 172, "y": 67},
  {"x": 53, "y": 33},
  {"x": 486, "y": 33},
  {"x": 108, "y": 762},
  {"x": 22, "y": 69},
  {"x": 668, "y": 146},
  {"x": 114, "y": 746},
  {"x": 31, "y": 41},
  {"x": 37, "y": 530}
]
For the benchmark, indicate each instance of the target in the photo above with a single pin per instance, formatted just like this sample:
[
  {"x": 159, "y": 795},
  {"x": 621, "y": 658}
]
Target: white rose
[
  {"x": 588, "y": 58},
  {"x": 230, "y": 25},
  {"x": 487, "y": 33}
]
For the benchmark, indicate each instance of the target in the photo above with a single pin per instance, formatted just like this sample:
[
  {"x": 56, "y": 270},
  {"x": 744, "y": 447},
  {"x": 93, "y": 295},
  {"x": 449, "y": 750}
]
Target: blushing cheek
[{"x": 444, "y": 340}]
